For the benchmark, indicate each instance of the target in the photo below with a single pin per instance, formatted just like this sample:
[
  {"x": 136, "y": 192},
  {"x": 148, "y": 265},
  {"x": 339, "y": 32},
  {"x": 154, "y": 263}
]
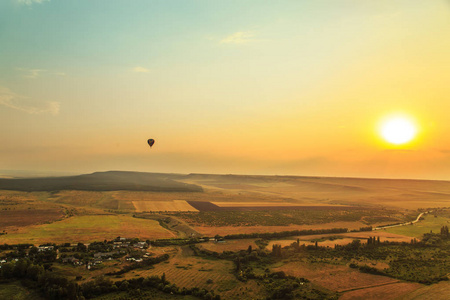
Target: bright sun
[{"x": 398, "y": 130}]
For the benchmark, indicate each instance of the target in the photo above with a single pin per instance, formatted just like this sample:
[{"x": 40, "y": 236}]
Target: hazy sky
[{"x": 246, "y": 87}]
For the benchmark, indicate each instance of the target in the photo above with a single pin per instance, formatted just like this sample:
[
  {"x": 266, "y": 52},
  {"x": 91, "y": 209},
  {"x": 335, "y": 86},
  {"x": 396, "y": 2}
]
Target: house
[
  {"x": 45, "y": 248},
  {"x": 140, "y": 245},
  {"x": 71, "y": 259},
  {"x": 105, "y": 254}
]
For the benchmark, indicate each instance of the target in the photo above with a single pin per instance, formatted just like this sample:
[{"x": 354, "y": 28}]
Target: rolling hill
[{"x": 103, "y": 181}]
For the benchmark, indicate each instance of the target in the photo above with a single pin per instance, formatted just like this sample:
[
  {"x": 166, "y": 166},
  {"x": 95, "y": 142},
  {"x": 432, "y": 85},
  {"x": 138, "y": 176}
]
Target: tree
[
  {"x": 238, "y": 264},
  {"x": 124, "y": 286},
  {"x": 276, "y": 250},
  {"x": 81, "y": 247},
  {"x": 444, "y": 231},
  {"x": 20, "y": 268},
  {"x": 33, "y": 251},
  {"x": 7, "y": 270},
  {"x": 34, "y": 271}
]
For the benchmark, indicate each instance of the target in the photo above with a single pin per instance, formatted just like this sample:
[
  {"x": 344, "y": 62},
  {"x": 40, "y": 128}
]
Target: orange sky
[{"x": 267, "y": 87}]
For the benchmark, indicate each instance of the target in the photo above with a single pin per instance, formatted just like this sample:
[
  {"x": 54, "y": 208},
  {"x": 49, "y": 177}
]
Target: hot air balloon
[{"x": 150, "y": 142}]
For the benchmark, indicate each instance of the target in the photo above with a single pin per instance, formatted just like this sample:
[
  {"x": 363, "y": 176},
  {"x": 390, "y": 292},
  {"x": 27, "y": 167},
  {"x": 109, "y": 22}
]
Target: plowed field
[{"x": 25, "y": 217}]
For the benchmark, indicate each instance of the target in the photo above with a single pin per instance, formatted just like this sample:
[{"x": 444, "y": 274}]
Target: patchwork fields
[{"x": 176, "y": 219}]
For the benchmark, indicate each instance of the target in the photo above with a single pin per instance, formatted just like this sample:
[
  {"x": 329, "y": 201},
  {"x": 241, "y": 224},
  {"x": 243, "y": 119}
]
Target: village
[
  {"x": 88, "y": 255},
  {"x": 92, "y": 255}
]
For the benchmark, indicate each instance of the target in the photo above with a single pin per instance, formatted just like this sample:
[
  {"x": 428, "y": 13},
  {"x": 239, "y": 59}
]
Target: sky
[{"x": 225, "y": 87}]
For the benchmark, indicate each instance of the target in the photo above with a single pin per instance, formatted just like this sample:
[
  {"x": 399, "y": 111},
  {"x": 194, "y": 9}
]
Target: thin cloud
[
  {"x": 140, "y": 70},
  {"x": 31, "y": 2},
  {"x": 21, "y": 103},
  {"x": 239, "y": 37},
  {"x": 31, "y": 73},
  {"x": 445, "y": 151},
  {"x": 36, "y": 73}
]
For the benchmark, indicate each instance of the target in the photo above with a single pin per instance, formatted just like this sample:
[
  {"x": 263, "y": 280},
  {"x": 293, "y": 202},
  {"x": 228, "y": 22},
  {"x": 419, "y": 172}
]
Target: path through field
[{"x": 403, "y": 224}]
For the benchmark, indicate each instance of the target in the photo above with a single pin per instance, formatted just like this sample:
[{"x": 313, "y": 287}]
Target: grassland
[
  {"x": 230, "y": 245},
  {"x": 102, "y": 181},
  {"x": 397, "y": 194},
  {"x": 427, "y": 224},
  {"x": 87, "y": 229}
]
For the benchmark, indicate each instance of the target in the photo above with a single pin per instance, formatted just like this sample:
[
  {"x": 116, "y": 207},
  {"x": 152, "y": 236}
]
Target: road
[{"x": 403, "y": 224}]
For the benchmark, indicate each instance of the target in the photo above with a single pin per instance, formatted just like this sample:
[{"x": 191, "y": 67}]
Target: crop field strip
[
  {"x": 210, "y": 206},
  {"x": 266, "y": 204},
  {"x": 188, "y": 271},
  {"x": 334, "y": 277},
  {"x": 25, "y": 217},
  {"x": 174, "y": 205},
  {"x": 398, "y": 290}
]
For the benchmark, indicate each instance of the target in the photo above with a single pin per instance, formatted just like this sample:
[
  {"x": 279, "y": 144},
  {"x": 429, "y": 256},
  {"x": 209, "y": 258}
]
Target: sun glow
[{"x": 398, "y": 130}]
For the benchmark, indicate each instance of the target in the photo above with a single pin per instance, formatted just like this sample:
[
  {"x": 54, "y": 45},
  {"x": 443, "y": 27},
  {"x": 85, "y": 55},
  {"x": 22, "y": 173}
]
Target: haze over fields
[
  {"x": 253, "y": 87},
  {"x": 196, "y": 149},
  {"x": 334, "y": 236}
]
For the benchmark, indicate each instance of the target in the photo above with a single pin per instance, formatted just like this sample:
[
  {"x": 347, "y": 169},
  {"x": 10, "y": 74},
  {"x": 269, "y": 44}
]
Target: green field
[
  {"x": 15, "y": 291},
  {"x": 88, "y": 229},
  {"x": 288, "y": 217},
  {"x": 426, "y": 224}
]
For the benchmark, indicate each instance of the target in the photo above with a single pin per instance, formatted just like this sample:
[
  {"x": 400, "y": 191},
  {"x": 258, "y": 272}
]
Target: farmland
[
  {"x": 279, "y": 217},
  {"x": 429, "y": 223},
  {"x": 230, "y": 245},
  {"x": 335, "y": 277},
  {"x": 186, "y": 270},
  {"x": 188, "y": 218},
  {"x": 163, "y": 206},
  {"x": 86, "y": 229},
  {"x": 29, "y": 217}
]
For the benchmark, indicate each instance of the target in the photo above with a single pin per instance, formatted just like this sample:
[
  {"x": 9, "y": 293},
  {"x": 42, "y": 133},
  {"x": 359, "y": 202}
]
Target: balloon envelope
[{"x": 151, "y": 142}]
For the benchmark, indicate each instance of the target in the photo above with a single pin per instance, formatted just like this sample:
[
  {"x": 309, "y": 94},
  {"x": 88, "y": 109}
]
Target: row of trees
[
  {"x": 147, "y": 262},
  {"x": 271, "y": 235},
  {"x": 102, "y": 285}
]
